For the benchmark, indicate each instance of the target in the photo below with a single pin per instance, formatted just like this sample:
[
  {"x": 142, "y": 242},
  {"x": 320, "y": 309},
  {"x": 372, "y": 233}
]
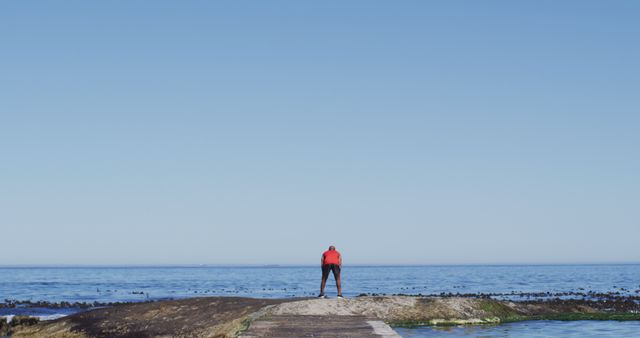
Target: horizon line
[{"x": 247, "y": 265}]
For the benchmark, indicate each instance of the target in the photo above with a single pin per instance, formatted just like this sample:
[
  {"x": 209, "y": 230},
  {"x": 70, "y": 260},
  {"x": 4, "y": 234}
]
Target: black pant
[{"x": 335, "y": 268}]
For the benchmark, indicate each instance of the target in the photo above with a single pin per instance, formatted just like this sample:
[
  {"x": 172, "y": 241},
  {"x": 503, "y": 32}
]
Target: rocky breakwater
[
  {"x": 194, "y": 317},
  {"x": 229, "y": 317}
]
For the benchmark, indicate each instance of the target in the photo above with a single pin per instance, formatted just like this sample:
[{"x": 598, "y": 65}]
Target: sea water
[
  {"x": 530, "y": 329},
  {"x": 117, "y": 284}
]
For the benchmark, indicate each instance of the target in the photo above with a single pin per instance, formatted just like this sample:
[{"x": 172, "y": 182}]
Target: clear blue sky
[{"x": 238, "y": 132}]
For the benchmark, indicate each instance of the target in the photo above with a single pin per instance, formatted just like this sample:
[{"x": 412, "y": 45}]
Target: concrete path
[{"x": 319, "y": 326}]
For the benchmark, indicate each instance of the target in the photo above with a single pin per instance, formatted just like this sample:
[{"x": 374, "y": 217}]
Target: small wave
[
  {"x": 9, "y": 318},
  {"x": 52, "y": 317}
]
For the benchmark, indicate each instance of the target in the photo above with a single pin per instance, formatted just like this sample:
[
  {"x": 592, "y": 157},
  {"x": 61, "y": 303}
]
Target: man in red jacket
[{"x": 331, "y": 261}]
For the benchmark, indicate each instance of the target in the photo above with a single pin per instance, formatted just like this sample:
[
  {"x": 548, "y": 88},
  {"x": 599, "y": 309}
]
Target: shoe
[
  {"x": 322, "y": 296},
  {"x": 340, "y": 296}
]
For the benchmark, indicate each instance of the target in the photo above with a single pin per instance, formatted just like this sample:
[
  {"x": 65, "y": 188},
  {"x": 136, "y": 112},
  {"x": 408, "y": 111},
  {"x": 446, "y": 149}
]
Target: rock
[
  {"x": 194, "y": 317},
  {"x": 227, "y": 316},
  {"x": 8, "y": 327},
  {"x": 4, "y": 327},
  {"x": 24, "y": 321}
]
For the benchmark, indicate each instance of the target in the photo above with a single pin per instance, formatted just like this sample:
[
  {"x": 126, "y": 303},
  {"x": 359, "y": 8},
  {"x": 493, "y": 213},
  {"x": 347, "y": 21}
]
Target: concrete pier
[{"x": 319, "y": 326}]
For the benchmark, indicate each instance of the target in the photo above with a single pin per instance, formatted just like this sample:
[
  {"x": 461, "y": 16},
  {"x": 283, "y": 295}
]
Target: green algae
[
  {"x": 446, "y": 322},
  {"x": 244, "y": 326},
  {"x": 497, "y": 309}
]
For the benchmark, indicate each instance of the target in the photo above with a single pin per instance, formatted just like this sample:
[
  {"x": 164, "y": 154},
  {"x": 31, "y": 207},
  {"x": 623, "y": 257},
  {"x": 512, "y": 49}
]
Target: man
[{"x": 331, "y": 261}]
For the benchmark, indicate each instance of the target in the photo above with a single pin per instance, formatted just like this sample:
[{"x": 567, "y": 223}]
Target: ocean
[{"x": 524, "y": 282}]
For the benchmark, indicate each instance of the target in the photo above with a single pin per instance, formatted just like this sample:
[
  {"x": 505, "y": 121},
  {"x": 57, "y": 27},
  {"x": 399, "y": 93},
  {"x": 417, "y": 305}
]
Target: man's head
[{"x": 331, "y": 248}]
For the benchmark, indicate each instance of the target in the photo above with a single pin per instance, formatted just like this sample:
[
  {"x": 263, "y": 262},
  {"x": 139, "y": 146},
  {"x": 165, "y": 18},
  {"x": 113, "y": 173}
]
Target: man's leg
[
  {"x": 336, "y": 275},
  {"x": 325, "y": 275}
]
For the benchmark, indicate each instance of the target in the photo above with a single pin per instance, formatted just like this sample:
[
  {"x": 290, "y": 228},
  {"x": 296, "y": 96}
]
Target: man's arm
[
  {"x": 322, "y": 260},
  {"x": 340, "y": 260}
]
